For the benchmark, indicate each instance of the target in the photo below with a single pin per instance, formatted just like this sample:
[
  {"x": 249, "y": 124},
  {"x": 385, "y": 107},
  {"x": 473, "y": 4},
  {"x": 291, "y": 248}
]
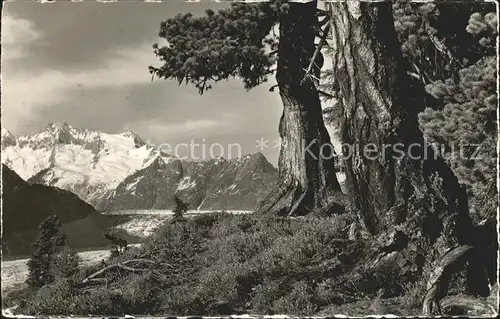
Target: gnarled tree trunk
[
  {"x": 306, "y": 166},
  {"x": 403, "y": 184},
  {"x": 403, "y": 178}
]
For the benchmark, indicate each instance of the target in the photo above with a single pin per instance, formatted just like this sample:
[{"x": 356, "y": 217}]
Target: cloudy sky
[{"x": 87, "y": 64}]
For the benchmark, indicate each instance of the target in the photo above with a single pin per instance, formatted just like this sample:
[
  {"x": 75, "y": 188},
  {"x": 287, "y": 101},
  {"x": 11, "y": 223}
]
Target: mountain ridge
[
  {"x": 25, "y": 205},
  {"x": 121, "y": 171}
]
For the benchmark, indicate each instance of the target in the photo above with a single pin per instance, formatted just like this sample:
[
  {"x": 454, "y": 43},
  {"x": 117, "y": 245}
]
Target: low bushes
[{"x": 222, "y": 264}]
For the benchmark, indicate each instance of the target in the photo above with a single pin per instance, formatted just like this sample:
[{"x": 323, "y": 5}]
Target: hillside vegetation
[
  {"x": 221, "y": 264},
  {"x": 413, "y": 230}
]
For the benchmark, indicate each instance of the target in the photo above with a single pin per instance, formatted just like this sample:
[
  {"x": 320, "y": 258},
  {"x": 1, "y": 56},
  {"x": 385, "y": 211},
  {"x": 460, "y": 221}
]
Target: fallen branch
[
  {"x": 92, "y": 277},
  {"x": 138, "y": 260}
]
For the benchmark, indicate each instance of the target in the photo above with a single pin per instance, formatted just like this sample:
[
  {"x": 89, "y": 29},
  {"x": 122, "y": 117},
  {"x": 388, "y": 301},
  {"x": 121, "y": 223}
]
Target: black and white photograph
[{"x": 249, "y": 159}]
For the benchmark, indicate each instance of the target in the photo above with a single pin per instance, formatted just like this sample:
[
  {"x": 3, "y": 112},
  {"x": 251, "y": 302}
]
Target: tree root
[
  {"x": 279, "y": 200},
  {"x": 288, "y": 200},
  {"x": 437, "y": 286},
  {"x": 478, "y": 306}
]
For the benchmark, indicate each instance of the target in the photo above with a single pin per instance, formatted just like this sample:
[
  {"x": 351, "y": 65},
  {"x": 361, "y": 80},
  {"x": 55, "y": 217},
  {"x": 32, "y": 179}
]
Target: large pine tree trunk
[
  {"x": 306, "y": 167},
  {"x": 419, "y": 195},
  {"x": 399, "y": 180}
]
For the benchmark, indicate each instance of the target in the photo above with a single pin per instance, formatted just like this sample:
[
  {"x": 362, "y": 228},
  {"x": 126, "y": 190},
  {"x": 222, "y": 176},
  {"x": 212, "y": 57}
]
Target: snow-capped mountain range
[{"x": 121, "y": 171}]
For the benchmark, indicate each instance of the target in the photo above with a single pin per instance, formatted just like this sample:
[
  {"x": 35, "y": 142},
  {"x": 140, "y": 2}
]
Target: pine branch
[{"x": 440, "y": 46}]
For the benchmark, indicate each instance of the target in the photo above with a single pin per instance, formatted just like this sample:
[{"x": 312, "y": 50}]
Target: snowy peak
[
  {"x": 138, "y": 142},
  {"x": 81, "y": 155},
  {"x": 257, "y": 159},
  {"x": 58, "y": 128},
  {"x": 8, "y": 139},
  {"x": 6, "y": 132},
  {"x": 61, "y": 133},
  {"x": 121, "y": 171},
  {"x": 214, "y": 184},
  {"x": 56, "y": 134}
]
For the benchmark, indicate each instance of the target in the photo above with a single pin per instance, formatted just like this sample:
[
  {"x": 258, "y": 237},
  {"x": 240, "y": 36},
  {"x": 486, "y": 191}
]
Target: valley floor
[{"x": 15, "y": 272}]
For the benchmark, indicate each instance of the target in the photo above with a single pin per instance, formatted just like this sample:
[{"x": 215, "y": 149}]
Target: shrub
[
  {"x": 327, "y": 293},
  {"x": 372, "y": 280},
  {"x": 53, "y": 299},
  {"x": 65, "y": 264},
  {"x": 140, "y": 295},
  {"x": 50, "y": 237},
  {"x": 86, "y": 271},
  {"x": 17, "y": 297},
  {"x": 225, "y": 287},
  {"x": 114, "y": 252},
  {"x": 180, "y": 208},
  {"x": 265, "y": 294},
  {"x": 180, "y": 300},
  {"x": 238, "y": 247},
  {"x": 300, "y": 301},
  {"x": 221, "y": 264},
  {"x": 207, "y": 221},
  {"x": 237, "y": 224},
  {"x": 413, "y": 294},
  {"x": 102, "y": 301}
]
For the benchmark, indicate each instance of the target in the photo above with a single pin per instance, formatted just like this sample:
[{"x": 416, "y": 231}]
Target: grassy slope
[{"x": 225, "y": 264}]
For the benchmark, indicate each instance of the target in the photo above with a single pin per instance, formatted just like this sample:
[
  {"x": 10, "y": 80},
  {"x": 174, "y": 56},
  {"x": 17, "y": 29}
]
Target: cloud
[
  {"x": 17, "y": 34},
  {"x": 95, "y": 75},
  {"x": 26, "y": 96},
  {"x": 195, "y": 128}
]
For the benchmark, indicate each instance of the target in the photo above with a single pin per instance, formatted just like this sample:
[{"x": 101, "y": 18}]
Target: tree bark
[
  {"x": 306, "y": 166},
  {"x": 404, "y": 184},
  {"x": 380, "y": 107}
]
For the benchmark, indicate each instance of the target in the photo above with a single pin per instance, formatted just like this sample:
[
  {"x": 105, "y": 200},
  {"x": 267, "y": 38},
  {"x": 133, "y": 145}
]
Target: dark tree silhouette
[
  {"x": 65, "y": 264},
  {"x": 49, "y": 239},
  {"x": 180, "y": 208},
  {"x": 119, "y": 244}
]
